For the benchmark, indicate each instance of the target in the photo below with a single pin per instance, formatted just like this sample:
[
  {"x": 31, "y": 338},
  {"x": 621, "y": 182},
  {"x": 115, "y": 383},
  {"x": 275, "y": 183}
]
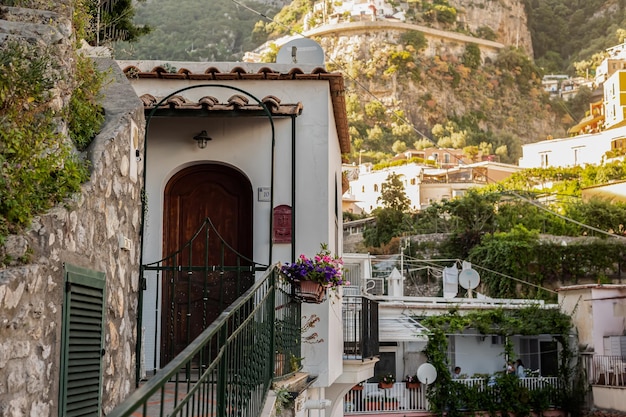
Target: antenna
[
  {"x": 426, "y": 373},
  {"x": 301, "y": 51},
  {"x": 469, "y": 279}
]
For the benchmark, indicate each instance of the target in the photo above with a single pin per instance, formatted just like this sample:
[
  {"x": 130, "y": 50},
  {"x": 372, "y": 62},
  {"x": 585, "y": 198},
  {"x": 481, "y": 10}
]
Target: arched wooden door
[{"x": 194, "y": 297}]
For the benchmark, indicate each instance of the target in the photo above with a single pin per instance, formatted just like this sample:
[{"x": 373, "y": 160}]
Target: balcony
[{"x": 370, "y": 398}]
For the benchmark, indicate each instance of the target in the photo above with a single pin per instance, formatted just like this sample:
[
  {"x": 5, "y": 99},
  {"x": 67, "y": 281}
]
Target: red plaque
[{"x": 282, "y": 224}]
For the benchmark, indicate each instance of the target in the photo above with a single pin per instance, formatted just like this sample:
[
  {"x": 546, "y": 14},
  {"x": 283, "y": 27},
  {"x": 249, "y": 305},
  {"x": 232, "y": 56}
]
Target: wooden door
[{"x": 192, "y": 300}]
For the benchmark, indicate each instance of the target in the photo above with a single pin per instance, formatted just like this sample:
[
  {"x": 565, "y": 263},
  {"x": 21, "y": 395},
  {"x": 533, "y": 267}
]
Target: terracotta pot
[
  {"x": 412, "y": 385},
  {"x": 357, "y": 388},
  {"x": 310, "y": 291},
  {"x": 384, "y": 385}
]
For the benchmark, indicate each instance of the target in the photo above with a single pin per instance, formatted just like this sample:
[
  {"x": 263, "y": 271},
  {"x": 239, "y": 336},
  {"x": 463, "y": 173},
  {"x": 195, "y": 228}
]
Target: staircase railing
[{"x": 228, "y": 369}]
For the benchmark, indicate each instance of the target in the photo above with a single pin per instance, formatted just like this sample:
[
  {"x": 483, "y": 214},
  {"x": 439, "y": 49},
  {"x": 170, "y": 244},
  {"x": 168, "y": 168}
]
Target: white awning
[{"x": 401, "y": 328}]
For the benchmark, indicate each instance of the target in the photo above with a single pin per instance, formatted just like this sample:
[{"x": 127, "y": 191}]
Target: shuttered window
[{"x": 82, "y": 342}]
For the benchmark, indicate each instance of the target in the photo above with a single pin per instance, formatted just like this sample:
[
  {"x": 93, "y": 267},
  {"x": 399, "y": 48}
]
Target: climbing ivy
[{"x": 454, "y": 399}]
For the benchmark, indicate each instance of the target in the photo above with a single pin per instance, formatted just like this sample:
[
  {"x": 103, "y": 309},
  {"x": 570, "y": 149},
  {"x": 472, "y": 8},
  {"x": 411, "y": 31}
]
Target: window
[
  {"x": 82, "y": 334},
  {"x": 412, "y": 181},
  {"x": 376, "y": 187},
  {"x": 446, "y": 158},
  {"x": 544, "y": 160},
  {"x": 362, "y": 188}
]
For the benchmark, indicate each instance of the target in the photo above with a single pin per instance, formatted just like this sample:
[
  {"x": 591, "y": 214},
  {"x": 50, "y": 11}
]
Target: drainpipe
[{"x": 293, "y": 188}]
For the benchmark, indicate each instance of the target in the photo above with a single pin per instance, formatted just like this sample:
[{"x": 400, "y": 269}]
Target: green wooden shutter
[{"x": 82, "y": 342}]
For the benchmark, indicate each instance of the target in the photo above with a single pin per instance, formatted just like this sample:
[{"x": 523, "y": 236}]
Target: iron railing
[
  {"x": 228, "y": 369},
  {"x": 360, "y": 327}
]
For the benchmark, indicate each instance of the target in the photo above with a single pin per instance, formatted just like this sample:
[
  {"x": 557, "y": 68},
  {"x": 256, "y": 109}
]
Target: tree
[
  {"x": 114, "y": 21},
  {"x": 392, "y": 194}
]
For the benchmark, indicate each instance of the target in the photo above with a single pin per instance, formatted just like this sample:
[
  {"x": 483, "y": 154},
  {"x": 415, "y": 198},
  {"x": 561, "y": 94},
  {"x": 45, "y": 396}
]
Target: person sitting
[
  {"x": 510, "y": 368},
  {"x": 520, "y": 371},
  {"x": 456, "y": 373}
]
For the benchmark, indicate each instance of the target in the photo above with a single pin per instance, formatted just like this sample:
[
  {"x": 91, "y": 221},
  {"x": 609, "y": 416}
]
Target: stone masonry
[{"x": 98, "y": 229}]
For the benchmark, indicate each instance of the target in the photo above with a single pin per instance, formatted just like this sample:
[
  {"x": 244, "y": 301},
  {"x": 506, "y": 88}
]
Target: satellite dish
[
  {"x": 426, "y": 373},
  {"x": 301, "y": 51},
  {"x": 469, "y": 279}
]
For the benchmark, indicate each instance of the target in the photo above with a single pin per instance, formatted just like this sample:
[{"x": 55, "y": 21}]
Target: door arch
[{"x": 195, "y": 295}]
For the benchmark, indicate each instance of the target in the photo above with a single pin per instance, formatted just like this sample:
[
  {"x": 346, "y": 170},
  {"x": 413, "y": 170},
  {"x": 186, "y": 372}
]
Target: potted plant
[
  {"x": 412, "y": 382},
  {"x": 358, "y": 387},
  {"x": 311, "y": 277},
  {"x": 386, "y": 381}
]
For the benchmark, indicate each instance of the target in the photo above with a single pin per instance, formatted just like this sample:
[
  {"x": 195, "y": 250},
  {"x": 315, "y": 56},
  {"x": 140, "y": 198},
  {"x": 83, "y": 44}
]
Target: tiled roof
[
  {"x": 335, "y": 82},
  {"x": 212, "y": 104}
]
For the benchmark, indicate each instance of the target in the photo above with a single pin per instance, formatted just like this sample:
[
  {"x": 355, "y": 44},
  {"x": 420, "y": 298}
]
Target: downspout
[
  {"x": 142, "y": 281},
  {"x": 293, "y": 188}
]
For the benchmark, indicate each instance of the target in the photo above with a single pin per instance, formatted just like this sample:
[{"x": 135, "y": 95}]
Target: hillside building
[{"x": 423, "y": 184}]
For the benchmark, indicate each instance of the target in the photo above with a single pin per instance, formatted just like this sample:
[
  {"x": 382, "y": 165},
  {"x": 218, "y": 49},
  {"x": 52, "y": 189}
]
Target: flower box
[
  {"x": 357, "y": 387},
  {"x": 412, "y": 385},
  {"x": 312, "y": 277},
  {"x": 385, "y": 385},
  {"x": 309, "y": 291}
]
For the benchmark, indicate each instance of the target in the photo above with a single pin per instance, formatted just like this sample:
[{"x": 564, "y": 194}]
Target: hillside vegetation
[{"x": 398, "y": 97}]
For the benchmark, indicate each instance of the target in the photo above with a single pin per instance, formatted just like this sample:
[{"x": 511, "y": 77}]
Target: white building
[
  {"x": 423, "y": 185},
  {"x": 269, "y": 178},
  {"x": 568, "y": 152},
  {"x": 615, "y": 100}
]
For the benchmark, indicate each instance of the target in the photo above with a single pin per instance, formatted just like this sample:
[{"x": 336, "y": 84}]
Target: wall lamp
[{"x": 202, "y": 139}]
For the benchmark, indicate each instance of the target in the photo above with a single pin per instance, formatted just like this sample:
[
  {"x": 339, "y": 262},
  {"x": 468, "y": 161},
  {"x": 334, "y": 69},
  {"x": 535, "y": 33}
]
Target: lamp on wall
[{"x": 202, "y": 139}]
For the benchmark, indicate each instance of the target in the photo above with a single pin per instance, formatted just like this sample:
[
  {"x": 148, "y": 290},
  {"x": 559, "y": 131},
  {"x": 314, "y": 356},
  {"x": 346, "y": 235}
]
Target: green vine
[
  {"x": 505, "y": 395},
  {"x": 40, "y": 166}
]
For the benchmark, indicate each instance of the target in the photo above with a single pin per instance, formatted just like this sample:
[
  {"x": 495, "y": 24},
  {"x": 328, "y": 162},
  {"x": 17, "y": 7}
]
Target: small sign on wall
[
  {"x": 264, "y": 194},
  {"x": 282, "y": 224}
]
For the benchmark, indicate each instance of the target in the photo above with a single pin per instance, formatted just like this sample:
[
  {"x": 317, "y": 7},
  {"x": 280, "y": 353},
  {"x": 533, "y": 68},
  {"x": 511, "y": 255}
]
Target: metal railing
[
  {"x": 607, "y": 370},
  {"x": 360, "y": 327},
  {"x": 369, "y": 397},
  {"x": 228, "y": 369}
]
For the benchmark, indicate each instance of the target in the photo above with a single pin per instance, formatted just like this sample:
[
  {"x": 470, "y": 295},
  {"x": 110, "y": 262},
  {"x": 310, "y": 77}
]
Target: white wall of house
[
  {"x": 246, "y": 145},
  {"x": 477, "y": 354},
  {"x": 597, "y": 311},
  {"x": 568, "y": 152},
  {"x": 367, "y": 188},
  {"x": 615, "y": 99}
]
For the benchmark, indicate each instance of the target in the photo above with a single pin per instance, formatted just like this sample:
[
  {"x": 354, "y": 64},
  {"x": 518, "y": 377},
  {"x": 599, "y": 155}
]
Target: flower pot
[
  {"x": 310, "y": 291},
  {"x": 385, "y": 385},
  {"x": 357, "y": 388},
  {"x": 412, "y": 385}
]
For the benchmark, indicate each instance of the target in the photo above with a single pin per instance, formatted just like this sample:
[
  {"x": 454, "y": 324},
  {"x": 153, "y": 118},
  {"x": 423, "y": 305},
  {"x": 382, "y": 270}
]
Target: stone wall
[
  {"x": 86, "y": 232},
  {"x": 98, "y": 229}
]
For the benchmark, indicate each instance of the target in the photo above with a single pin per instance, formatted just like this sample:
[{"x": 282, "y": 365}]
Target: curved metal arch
[
  {"x": 273, "y": 144},
  {"x": 143, "y": 202}
]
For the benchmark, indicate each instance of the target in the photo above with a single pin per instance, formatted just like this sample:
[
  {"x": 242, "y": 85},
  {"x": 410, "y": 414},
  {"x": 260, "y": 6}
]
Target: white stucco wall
[
  {"x": 597, "y": 311},
  {"x": 477, "y": 356}
]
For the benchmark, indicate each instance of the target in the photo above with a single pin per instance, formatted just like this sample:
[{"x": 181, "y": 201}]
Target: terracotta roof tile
[{"x": 208, "y": 103}]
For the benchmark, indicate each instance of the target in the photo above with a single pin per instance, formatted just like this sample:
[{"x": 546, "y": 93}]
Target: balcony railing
[
  {"x": 369, "y": 397},
  {"x": 607, "y": 370},
  {"x": 360, "y": 327},
  {"x": 228, "y": 369}
]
